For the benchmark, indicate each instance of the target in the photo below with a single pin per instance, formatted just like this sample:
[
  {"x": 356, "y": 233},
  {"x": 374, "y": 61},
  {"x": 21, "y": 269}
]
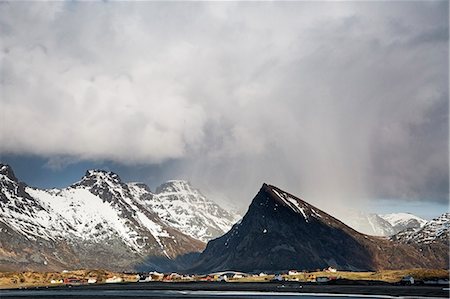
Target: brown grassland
[
  {"x": 41, "y": 279},
  {"x": 35, "y": 279}
]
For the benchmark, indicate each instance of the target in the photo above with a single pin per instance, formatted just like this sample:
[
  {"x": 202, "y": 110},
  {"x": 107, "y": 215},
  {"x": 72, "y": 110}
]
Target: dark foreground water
[
  {"x": 169, "y": 294},
  {"x": 212, "y": 290}
]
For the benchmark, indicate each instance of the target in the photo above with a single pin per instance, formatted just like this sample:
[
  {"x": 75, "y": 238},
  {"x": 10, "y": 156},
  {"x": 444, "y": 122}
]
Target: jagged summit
[
  {"x": 7, "y": 171},
  {"x": 97, "y": 177}
]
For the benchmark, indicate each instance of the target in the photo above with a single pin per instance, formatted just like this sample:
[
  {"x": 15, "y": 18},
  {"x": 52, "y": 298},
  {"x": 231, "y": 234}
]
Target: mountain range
[
  {"x": 382, "y": 225},
  {"x": 103, "y": 222}
]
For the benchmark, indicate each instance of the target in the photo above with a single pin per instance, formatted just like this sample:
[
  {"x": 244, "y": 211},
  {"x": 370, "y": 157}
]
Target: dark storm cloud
[{"x": 332, "y": 101}]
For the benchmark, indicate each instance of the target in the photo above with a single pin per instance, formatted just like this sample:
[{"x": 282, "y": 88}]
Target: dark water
[{"x": 79, "y": 293}]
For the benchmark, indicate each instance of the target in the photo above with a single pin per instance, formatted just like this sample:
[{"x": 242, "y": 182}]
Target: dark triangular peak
[
  {"x": 282, "y": 232},
  {"x": 281, "y": 202},
  {"x": 7, "y": 171},
  {"x": 293, "y": 203}
]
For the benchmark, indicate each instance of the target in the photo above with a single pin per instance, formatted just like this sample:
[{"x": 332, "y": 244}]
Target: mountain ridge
[{"x": 101, "y": 221}]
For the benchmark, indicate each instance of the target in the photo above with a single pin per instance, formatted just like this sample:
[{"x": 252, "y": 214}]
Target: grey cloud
[{"x": 337, "y": 101}]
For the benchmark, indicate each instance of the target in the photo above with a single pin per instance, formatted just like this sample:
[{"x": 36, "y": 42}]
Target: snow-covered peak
[
  {"x": 178, "y": 186},
  {"x": 185, "y": 208},
  {"x": 97, "y": 177},
  {"x": 436, "y": 229},
  {"x": 367, "y": 223},
  {"x": 105, "y": 184},
  {"x": 7, "y": 172},
  {"x": 402, "y": 218}
]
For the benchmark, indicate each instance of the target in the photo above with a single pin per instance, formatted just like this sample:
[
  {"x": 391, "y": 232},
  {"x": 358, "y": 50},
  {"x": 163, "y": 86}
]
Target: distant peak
[
  {"x": 95, "y": 176},
  {"x": 100, "y": 172},
  {"x": 175, "y": 186},
  {"x": 7, "y": 171},
  {"x": 183, "y": 182}
]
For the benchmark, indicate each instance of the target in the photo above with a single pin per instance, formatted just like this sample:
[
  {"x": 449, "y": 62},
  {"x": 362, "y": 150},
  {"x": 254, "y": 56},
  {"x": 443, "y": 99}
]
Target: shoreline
[{"x": 220, "y": 289}]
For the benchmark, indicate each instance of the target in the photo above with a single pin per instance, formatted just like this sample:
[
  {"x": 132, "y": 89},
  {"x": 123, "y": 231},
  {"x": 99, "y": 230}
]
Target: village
[
  {"x": 328, "y": 275},
  {"x": 225, "y": 276}
]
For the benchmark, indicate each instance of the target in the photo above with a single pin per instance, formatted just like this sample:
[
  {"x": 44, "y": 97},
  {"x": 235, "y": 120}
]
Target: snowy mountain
[
  {"x": 436, "y": 230},
  {"x": 102, "y": 222},
  {"x": 382, "y": 225},
  {"x": 183, "y": 207},
  {"x": 368, "y": 223},
  {"x": 402, "y": 221},
  {"x": 281, "y": 231}
]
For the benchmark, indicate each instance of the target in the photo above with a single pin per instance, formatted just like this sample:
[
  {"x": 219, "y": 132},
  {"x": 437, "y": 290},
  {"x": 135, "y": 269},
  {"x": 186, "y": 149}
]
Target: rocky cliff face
[{"x": 281, "y": 232}]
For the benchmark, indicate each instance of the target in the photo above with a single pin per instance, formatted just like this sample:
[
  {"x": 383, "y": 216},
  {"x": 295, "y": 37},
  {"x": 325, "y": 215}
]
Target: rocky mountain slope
[
  {"x": 280, "y": 232},
  {"x": 432, "y": 240},
  {"x": 99, "y": 221},
  {"x": 434, "y": 231}
]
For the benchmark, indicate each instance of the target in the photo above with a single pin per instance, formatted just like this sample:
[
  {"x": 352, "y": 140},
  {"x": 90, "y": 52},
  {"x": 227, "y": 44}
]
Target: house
[
  {"x": 330, "y": 269},
  {"x": 156, "y": 275},
  {"x": 223, "y": 278},
  {"x": 237, "y": 276},
  {"x": 207, "y": 278},
  {"x": 408, "y": 280},
  {"x": 293, "y": 272},
  {"x": 91, "y": 280},
  {"x": 144, "y": 278},
  {"x": 278, "y": 277},
  {"x": 187, "y": 277},
  {"x": 114, "y": 279},
  {"x": 174, "y": 276},
  {"x": 311, "y": 278}
]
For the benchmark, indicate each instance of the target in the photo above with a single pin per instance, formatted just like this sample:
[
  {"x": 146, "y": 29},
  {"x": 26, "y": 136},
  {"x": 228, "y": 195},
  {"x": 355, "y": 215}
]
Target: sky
[{"x": 344, "y": 104}]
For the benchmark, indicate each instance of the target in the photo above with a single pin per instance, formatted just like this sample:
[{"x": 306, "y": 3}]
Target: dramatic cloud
[{"x": 333, "y": 101}]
